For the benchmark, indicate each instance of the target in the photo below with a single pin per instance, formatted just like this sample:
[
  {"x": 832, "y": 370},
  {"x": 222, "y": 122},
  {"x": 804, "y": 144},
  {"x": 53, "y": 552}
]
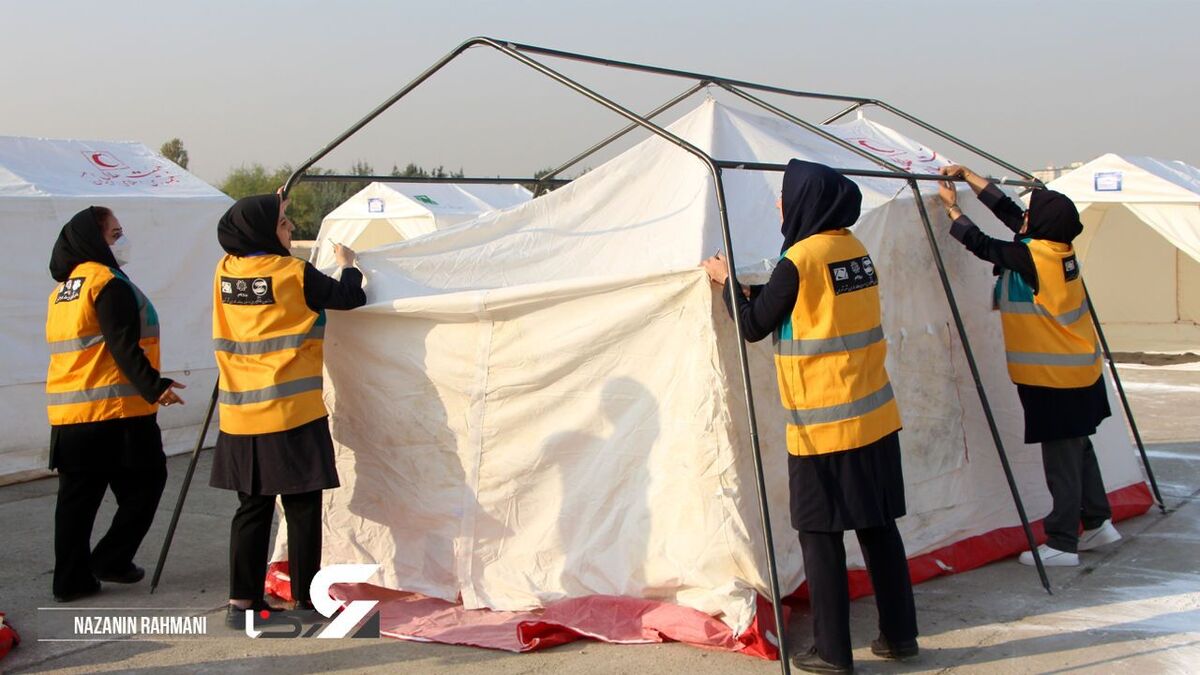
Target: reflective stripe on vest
[
  {"x": 83, "y": 381},
  {"x": 268, "y": 345},
  {"x": 1049, "y": 337},
  {"x": 830, "y": 353},
  {"x": 844, "y": 411}
]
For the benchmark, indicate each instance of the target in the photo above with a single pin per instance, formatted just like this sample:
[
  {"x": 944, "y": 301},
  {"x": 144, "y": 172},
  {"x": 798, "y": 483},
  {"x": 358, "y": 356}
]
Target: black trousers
[
  {"x": 829, "y": 590},
  {"x": 249, "y": 541},
  {"x": 79, "y": 496},
  {"x": 1073, "y": 476}
]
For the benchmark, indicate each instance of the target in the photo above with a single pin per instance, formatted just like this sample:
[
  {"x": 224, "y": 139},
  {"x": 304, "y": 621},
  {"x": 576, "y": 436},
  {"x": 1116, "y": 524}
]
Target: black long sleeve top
[
  {"x": 325, "y": 292},
  {"x": 117, "y": 311},
  {"x": 769, "y": 305},
  {"x": 1002, "y": 254}
]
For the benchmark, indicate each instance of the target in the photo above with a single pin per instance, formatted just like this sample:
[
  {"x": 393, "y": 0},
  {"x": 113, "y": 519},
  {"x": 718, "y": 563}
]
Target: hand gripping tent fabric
[{"x": 538, "y": 411}]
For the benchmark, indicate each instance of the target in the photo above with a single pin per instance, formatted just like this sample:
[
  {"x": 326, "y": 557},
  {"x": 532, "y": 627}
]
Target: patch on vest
[
  {"x": 1070, "y": 268},
  {"x": 70, "y": 290},
  {"x": 852, "y": 275},
  {"x": 247, "y": 291}
]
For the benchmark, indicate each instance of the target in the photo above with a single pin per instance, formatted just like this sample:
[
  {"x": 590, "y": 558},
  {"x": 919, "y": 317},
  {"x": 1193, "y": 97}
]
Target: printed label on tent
[
  {"x": 852, "y": 275},
  {"x": 425, "y": 199},
  {"x": 247, "y": 291},
  {"x": 1070, "y": 268},
  {"x": 1107, "y": 181},
  {"x": 69, "y": 290},
  {"x": 374, "y": 205}
]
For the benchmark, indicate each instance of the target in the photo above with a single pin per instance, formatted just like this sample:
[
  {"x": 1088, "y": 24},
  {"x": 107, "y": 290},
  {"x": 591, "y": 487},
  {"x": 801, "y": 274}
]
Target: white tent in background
[
  {"x": 170, "y": 217},
  {"x": 544, "y": 403},
  {"x": 384, "y": 213},
  {"x": 1140, "y": 248}
]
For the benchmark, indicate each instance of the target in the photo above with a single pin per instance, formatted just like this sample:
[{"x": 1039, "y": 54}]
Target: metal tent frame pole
[
  {"x": 715, "y": 171},
  {"x": 949, "y": 293},
  {"x": 1035, "y": 183},
  {"x": 519, "y": 52}
]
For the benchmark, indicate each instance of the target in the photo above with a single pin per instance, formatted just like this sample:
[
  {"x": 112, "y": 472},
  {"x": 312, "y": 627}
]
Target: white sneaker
[
  {"x": 1105, "y": 534},
  {"x": 1051, "y": 557}
]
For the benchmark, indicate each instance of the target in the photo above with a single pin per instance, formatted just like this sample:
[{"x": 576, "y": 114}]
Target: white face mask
[{"x": 121, "y": 249}]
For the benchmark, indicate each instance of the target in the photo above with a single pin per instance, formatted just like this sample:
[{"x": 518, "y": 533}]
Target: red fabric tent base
[{"x": 623, "y": 620}]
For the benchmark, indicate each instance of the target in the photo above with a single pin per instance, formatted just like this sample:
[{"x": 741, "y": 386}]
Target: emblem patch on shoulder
[
  {"x": 852, "y": 275},
  {"x": 247, "y": 291},
  {"x": 69, "y": 290},
  {"x": 1070, "y": 268}
]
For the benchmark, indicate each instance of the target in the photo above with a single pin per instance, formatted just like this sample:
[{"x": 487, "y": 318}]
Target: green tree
[{"x": 174, "y": 151}]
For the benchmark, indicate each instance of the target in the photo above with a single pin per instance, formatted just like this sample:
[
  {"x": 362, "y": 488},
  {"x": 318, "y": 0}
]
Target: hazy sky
[{"x": 240, "y": 82}]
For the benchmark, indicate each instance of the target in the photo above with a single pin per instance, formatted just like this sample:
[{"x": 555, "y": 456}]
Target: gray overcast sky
[{"x": 241, "y": 81}]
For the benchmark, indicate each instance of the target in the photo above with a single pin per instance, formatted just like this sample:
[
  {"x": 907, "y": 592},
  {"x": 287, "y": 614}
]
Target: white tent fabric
[
  {"x": 545, "y": 402},
  {"x": 384, "y": 213},
  {"x": 1140, "y": 248},
  {"x": 169, "y": 216}
]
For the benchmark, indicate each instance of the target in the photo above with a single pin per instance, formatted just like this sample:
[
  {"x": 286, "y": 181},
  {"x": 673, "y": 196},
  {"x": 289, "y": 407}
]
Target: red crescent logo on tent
[
  {"x": 863, "y": 142},
  {"x": 99, "y": 162}
]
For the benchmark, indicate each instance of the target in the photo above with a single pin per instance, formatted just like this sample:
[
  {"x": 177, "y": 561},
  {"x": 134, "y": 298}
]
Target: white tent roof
[
  {"x": 405, "y": 200},
  {"x": 42, "y": 167},
  {"x": 169, "y": 216},
  {"x": 407, "y": 210},
  {"x": 544, "y": 402},
  {"x": 1163, "y": 194}
]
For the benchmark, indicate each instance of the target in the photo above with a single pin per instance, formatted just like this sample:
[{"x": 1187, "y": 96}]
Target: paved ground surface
[{"x": 1134, "y": 608}]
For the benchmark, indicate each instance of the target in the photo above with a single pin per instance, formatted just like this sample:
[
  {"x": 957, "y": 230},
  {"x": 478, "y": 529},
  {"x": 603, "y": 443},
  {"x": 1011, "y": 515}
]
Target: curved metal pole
[
  {"x": 618, "y": 134},
  {"x": 842, "y": 113},
  {"x": 671, "y": 72},
  {"x": 983, "y": 399},
  {"x": 187, "y": 481},
  {"x": 764, "y": 510},
  {"x": 354, "y": 128},
  {"x": 954, "y": 139},
  {"x": 1137, "y": 436},
  {"x": 776, "y": 599}
]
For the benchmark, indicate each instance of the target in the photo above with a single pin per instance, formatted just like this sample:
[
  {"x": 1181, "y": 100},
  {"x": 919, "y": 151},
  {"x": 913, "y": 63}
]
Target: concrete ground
[{"x": 1134, "y": 607}]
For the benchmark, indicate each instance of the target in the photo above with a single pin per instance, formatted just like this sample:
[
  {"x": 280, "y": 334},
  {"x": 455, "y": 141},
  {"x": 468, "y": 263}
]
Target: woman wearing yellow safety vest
[
  {"x": 822, "y": 305},
  {"x": 268, "y": 335},
  {"x": 1052, "y": 352},
  {"x": 103, "y": 390}
]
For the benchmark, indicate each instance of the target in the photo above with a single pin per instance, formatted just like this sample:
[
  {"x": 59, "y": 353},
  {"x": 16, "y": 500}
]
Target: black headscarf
[
  {"x": 815, "y": 199},
  {"x": 249, "y": 226},
  {"x": 80, "y": 240},
  {"x": 1052, "y": 216}
]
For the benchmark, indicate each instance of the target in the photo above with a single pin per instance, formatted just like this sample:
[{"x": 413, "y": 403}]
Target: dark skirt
[
  {"x": 850, "y": 490},
  {"x": 1057, "y": 414},
  {"x": 283, "y": 463},
  {"x": 128, "y": 443}
]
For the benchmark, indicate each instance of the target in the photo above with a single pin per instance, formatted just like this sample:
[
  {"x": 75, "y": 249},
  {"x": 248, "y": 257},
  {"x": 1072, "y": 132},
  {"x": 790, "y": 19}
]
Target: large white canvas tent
[
  {"x": 544, "y": 403},
  {"x": 384, "y": 213},
  {"x": 170, "y": 217},
  {"x": 1140, "y": 248}
]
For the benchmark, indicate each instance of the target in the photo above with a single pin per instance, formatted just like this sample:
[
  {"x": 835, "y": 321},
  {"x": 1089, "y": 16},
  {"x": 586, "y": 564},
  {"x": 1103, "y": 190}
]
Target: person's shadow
[{"x": 604, "y": 480}]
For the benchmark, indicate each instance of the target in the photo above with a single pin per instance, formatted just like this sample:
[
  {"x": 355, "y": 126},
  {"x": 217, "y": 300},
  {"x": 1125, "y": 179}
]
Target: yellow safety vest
[
  {"x": 83, "y": 383},
  {"x": 268, "y": 344},
  {"x": 1049, "y": 337},
  {"x": 830, "y": 354}
]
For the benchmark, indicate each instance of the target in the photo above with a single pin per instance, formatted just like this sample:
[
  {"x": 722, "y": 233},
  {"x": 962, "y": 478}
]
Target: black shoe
[
  {"x": 79, "y": 594},
  {"x": 131, "y": 575},
  {"x": 898, "y": 650},
  {"x": 811, "y": 662},
  {"x": 235, "y": 617}
]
